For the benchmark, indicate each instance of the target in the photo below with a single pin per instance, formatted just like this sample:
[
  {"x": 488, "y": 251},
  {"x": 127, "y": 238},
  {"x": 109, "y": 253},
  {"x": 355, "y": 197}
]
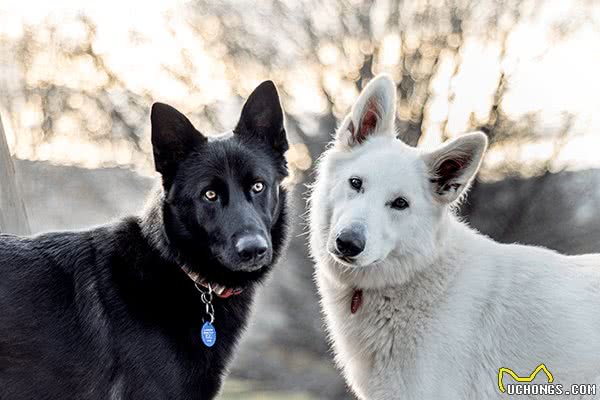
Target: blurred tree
[
  {"x": 334, "y": 46},
  {"x": 339, "y": 45},
  {"x": 98, "y": 104}
]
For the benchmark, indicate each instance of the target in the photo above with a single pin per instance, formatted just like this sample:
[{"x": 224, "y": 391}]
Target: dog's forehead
[
  {"x": 224, "y": 158},
  {"x": 387, "y": 161}
]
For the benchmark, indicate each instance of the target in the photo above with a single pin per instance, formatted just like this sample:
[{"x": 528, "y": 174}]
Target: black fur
[{"x": 108, "y": 313}]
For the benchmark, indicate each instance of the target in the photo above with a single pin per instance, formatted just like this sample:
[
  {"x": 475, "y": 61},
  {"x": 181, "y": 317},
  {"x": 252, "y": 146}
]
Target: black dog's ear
[
  {"x": 262, "y": 118},
  {"x": 173, "y": 138}
]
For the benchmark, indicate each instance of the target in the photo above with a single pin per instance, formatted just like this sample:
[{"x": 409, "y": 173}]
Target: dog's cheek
[
  {"x": 413, "y": 236},
  {"x": 271, "y": 210},
  {"x": 176, "y": 224},
  {"x": 207, "y": 228},
  {"x": 329, "y": 225}
]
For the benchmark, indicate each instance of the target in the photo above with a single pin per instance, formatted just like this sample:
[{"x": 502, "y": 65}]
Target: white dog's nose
[{"x": 350, "y": 243}]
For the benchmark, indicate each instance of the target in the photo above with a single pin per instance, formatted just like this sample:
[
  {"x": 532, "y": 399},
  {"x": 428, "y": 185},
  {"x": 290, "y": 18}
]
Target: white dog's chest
[{"x": 381, "y": 343}]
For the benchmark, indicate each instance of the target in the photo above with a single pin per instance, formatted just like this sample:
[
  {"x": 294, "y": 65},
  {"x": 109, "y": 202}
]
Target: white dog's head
[{"x": 379, "y": 205}]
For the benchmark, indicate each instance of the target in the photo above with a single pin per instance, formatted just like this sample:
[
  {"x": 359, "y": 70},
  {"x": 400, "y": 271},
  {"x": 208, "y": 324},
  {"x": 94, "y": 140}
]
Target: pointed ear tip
[
  {"x": 268, "y": 83},
  {"x": 480, "y": 137},
  {"x": 385, "y": 77},
  {"x": 477, "y": 138},
  {"x": 158, "y": 105},
  {"x": 264, "y": 95},
  {"x": 385, "y": 82},
  {"x": 267, "y": 86},
  {"x": 159, "y": 108},
  {"x": 479, "y": 133},
  {"x": 383, "y": 87},
  {"x": 155, "y": 107}
]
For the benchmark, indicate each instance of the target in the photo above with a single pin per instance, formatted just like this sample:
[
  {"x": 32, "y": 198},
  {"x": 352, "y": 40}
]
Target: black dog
[{"x": 124, "y": 311}]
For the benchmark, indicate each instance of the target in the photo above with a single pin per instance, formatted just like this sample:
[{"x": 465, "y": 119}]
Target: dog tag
[{"x": 208, "y": 334}]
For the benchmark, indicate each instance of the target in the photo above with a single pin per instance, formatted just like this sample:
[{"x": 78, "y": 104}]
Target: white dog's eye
[
  {"x": 258, "y": 187},
  {"x": 399, "y": 204},
  {"x": 356, "y": 183}
]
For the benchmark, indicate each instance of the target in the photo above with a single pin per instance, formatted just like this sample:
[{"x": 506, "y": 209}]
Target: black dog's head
[{"x": 223, "y": 208}]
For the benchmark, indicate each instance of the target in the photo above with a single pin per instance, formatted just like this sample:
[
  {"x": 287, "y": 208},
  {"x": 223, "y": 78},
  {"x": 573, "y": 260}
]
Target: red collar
[
  {"x": 220, "y": 290},
  {"x": 357, "y": 299}
]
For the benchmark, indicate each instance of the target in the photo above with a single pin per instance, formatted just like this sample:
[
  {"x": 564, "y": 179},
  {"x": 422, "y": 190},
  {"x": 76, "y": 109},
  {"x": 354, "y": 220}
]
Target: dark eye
[
  {"x": 211, "y": 195},
  {"x": 399, "y": 204},
  {"x": 356, "y": 183},
  {"x": 258, "y": 187}
]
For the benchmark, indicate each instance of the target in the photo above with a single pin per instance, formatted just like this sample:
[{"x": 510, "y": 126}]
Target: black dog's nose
[
  {"x": 251, "y": 247},
  {"x": 350, "y": 243}
]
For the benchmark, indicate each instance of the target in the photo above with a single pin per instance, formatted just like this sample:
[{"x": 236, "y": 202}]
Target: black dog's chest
[
  {"x": 168, "y": 359},
  {"x": 156, "y": 331}
]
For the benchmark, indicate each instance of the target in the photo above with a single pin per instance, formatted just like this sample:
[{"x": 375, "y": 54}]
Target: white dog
[{"x": 419, "y": 305}]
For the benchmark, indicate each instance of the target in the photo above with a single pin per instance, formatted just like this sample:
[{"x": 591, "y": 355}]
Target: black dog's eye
[
  {"x": 211, "y": 195},
  {"x": 258, "y": 187},
  {"x": 399, "y": 204},
  {"x": 356, "y": 183}
]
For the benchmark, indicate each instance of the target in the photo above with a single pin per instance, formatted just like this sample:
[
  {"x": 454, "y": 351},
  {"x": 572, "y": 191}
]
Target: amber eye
[
  {"x": 210, "y": 195},
  {"x": 258, "y": 187}
]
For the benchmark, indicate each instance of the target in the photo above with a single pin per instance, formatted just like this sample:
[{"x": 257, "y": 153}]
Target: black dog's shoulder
[
  {"x": 37, "y": 258},
  {"x": 53, "y": 271},
  {"x": 43, "y": 311},
  {"x": 34, "y": 264}
]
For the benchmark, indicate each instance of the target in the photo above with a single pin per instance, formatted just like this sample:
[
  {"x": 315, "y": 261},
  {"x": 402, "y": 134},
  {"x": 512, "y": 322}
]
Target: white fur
[{"x": 444, "y": 306}]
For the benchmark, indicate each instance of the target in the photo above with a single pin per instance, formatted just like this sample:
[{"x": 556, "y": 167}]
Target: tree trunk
[{"x": 13, "y": 218}]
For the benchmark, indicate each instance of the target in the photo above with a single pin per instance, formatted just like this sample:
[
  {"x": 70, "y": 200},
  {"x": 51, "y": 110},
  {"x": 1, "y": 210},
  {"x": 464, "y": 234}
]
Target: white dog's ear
[
  {"x": 454, "y": 164},
  {"x": 373, "y": 113}
]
